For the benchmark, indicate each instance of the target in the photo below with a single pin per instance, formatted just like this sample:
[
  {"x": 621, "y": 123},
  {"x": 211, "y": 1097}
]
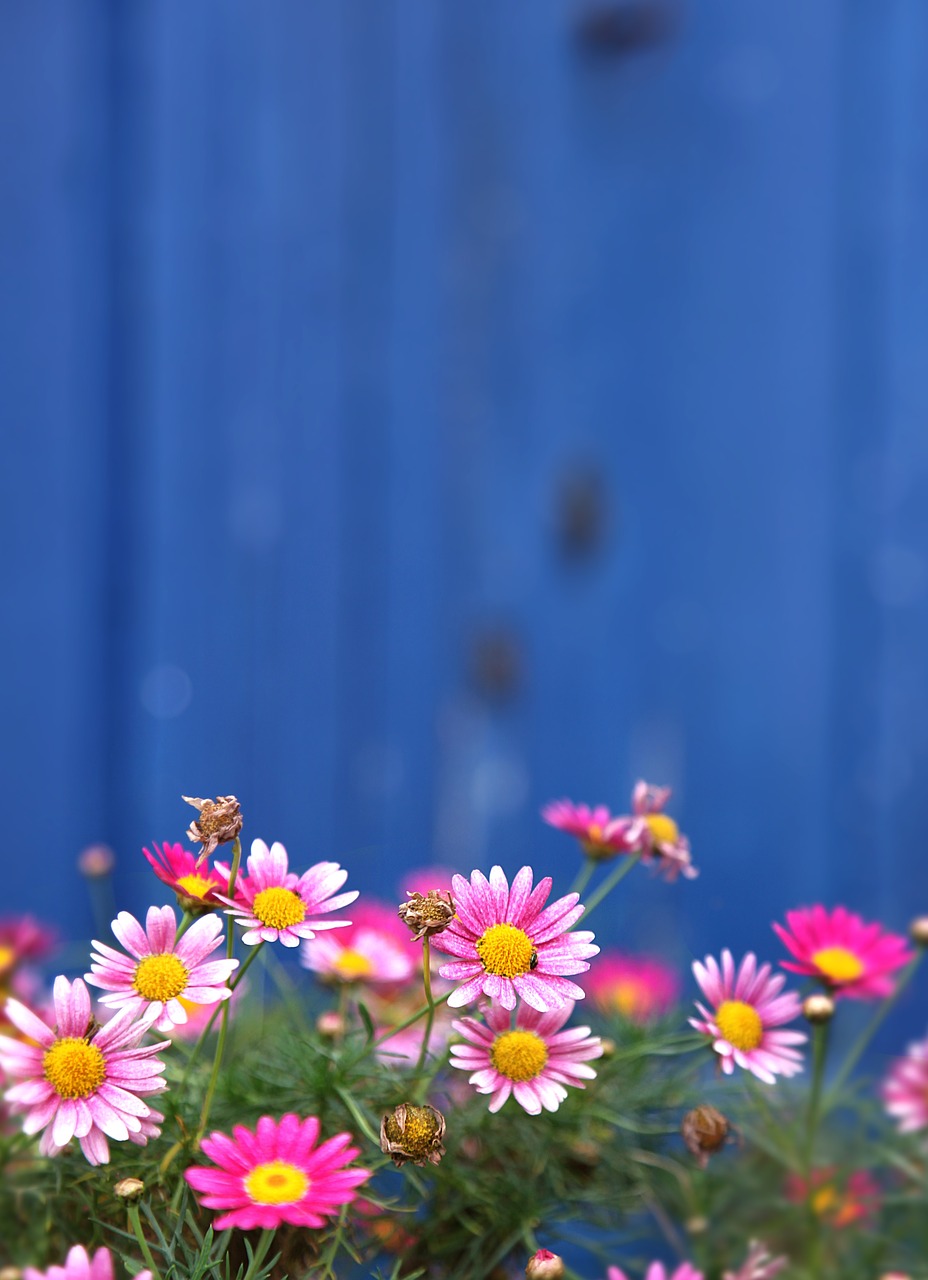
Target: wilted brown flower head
[
  {"x": 818, "y": 1008},
  {"x": 704, "y": 1131},
  {"x": 427, "y": 913},
  {"x": 413, "y": 1133},
  {"x": 129, "y": 1189},
  {"x": 545, "y": 1265},
  {"x": 219, "y": 822}
]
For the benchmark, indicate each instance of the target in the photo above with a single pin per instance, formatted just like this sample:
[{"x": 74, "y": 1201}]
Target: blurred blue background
[{"x": 414, "y": 413}]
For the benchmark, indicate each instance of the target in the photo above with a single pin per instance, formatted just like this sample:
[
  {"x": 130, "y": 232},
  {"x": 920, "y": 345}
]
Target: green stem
[
  {"x": 863, "y": 1040},
  {"x": 430, "y": 1016},
  {"x": 407, "y": 1022},
  {"x": 629, "y": 860},
  {"x": 136, "y": 1225},
  {"x": 582, "y": 878},
  {"x": 224, "y": 1025},
  {"x": 819, "y": 1053},
  {"x": 261, "y": 1252},
  {"x": 186, "y": 921}
]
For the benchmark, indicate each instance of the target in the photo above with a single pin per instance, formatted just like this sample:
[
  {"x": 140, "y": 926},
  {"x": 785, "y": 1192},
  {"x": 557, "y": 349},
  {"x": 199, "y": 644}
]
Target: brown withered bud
[
  {"x": 704, "y": 1131},
  {"x": 918, "y": 931},
  {"x": 818, "y": 1008},
  {"x": 427, "y": 914},
  {"x": 413, "y": 1133},
  {"x": 545, "y": 1265},
  {"x": 129, "y": 1189},
  {"x": 219, "y": 822}
]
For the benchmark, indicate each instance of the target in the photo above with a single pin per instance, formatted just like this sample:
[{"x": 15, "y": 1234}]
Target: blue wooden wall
[{"x": 414, "y": 412}]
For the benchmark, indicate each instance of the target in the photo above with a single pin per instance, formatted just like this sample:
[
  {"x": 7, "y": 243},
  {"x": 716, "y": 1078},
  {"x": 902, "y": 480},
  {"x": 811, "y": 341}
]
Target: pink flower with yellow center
[
  {"x": 838, "y": 1199},
  {"x": 905, "y": 1089},
  {"x": 193, "y": 884},
  {"x": 80, "y": 1266},
  {"x": 22, "y": 939},
  {"x": 276, "y": 905},
  {"x": 161, "y": 972},
  {"x": 662, "y": 839},
  {"x": 375, "y": 947},
  {"x": 80, "y": 1080},
  {"x": 509, "y": 946},
  {"x": 747, "y": 1009},
  {"x": 601, "y": 834},
  {"x": 638, "y": 987},
  {"x": 532, "y": 1060},
  {"x": 850, "y": 957},
  {"x": 276, "y": 1174},
  {"x": 657, "y": 1271}
]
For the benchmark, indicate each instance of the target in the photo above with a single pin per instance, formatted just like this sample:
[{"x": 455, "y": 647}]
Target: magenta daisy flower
[
  {"x": 850, "y": 957},
  {"x": 657, "y": 1271},
  {"x": 375, "y": 947},
  {"x": 508, "y": 947},
  {"x": 905, "y": 1089},
  {"x": 80, "y": 1266},
  {"x": 274, "y": 904},
  {"x": 533, "y": 1060},
  {"x": 747, "y": 1009},
  {"x": 22, "y": 939},
  {"x": 194, "y": 885},
  {"x": 662, "y": 839},
  {"x": 160, "y": 971},
  {"x": 276, "y": 1174},
  {"x": 600, "y": 833},
  {"x": 79, "y": 1080},
  {"x": 638, "y": 987}
]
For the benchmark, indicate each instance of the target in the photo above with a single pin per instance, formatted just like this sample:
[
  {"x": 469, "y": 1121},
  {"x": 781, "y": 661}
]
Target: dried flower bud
[
  {"x": 545, "y": 1265},
  {"x": 96, "y": 861},
  {"x": 918, "y": 931},
  {"x": 696, "y": 1226},
  {"x": 818, "y": 1009},
  {"x": 219, "y": 822},
  {"x": 413, "y": 1133},
  {"x": 330, "y": 1024},
  {"x": 426, "y": 914},
  {"x": 704, "y": 1131},
  {"x": 608, "y": 1047},
  {"x": 129, "y": 1189}
]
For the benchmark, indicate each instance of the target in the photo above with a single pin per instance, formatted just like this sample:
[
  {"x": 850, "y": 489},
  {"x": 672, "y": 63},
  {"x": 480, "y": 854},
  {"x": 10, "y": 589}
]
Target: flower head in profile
[
  {"x": 601, "y": 834},
  {"x": 160, "y": 972},
  {"x": 276, "y": 1173},
  {"x": 657, "y": 1271},
  {"x": 533, "y": 1060},
  {"x": 22, "y": 939},
  {"x": 373, "y": 948},
  {"x": 905, "y": 1089},
  {"x": 662, "y": 840},
  {"x": 760, "y": 1264},
  {"x": 197, "y": 888},
  {"x": 747, "y": 1008},
  {"x": 509, "y": 946},
  {"x": 80, "y": 1266},
  {"x": 850, "y": 957},
  {"x": 637, "y": 987},
  {"x": 276, "y": 905},
  {"x": 79, "y": 1080}
]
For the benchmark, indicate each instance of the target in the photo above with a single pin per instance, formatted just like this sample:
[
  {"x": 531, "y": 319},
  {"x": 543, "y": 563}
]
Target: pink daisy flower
[
  {"x": 508, "y": 947},
  {"x": 838, "y": 1199},
  {"x": 600, "y": 833},
  {"x": 850, "y": 957},
  {"x": 905, "y": 1089},
  {"x": 638, "y": 987},
  {"x": 747, "y": 1007},
  {"x": 80, "y": 1266},
  {"x": 375, "y": 947},
  {"x": 276, "y": 1174},
  {"x": 274, "y": 903},
  {"x": 662, "y": 838},
  {"x": 194, "y": 885},
  {"x": 657, "y": 1271},
  {"x": 81, "y": 1081},
  {"x": 22, "y": 939},
  {"x": 533, "y": 1060},
  {"x": 159, "y": 969}
]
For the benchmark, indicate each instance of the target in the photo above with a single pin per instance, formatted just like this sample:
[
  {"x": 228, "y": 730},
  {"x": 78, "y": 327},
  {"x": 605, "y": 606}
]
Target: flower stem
[
  {"x": 261, "y": 1252},
  {"x": 430, "y": 1016},
  {"x": 186, "y": 921},
  {"x": 819, "y": 1052},
  {"x": 224, "y": 1024},
  {"x": 628, "y": 861},
  {"x": 582, "y": 878},
  {"x": 136, "y": 1225}
]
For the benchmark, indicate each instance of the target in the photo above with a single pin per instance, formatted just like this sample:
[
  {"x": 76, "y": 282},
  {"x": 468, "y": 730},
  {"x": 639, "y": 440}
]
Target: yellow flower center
[
  {"x": 195, "y": 886},
  {"x": 824, "y": 1199},
  {"x": 278, "y": 908},
  {"x": 838, "y": 964},
  {"x": 160, "y": 977},
  {"x": 351, "y": 965},
  {"x": 628, "y": 997},
  {"x": 594, "y": 833},
  {"x": 739, "y": 1024},
  {"x": 663, "y": 829},
  {"x": 74, "y": 1068},
  {"x": 7, "y": 958},
  {"x": 519, "y": 1055},
  {"x": 276, "y": 1182},
  {"x": 505, "y": 950}
]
